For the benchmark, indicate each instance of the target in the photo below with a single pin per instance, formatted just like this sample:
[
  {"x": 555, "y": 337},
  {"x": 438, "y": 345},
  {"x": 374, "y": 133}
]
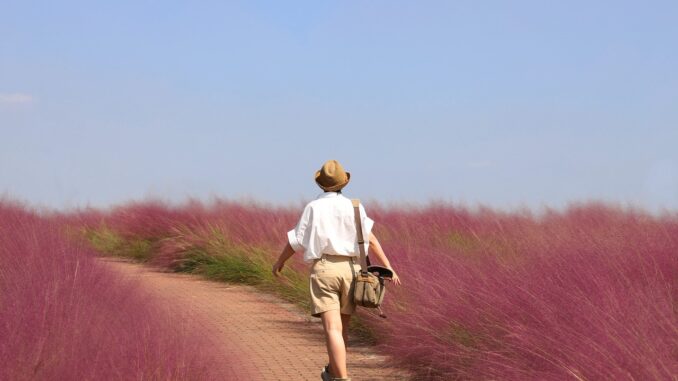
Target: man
[{"x": 326, "y": 233}]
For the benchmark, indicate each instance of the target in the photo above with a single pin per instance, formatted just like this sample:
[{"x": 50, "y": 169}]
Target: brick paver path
[{"x": 273, "y": 339}]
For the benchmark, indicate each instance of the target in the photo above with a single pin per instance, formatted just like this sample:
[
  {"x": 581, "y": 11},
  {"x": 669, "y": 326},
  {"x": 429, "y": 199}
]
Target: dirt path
[{"x": 274, "y": 339}]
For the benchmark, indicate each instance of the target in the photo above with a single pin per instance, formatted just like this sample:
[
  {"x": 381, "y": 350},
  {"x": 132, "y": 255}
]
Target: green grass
[{"x": 106, "y": 241}]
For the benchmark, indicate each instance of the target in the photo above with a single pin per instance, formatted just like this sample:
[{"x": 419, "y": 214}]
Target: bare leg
[
  {"x": 336, "y": 348},
  {"x": 345, "y": 320}
]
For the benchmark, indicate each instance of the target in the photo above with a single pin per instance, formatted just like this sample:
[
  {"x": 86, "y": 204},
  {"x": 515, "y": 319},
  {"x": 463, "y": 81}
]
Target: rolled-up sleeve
[
  {"x": 367, "y": 224},
  {"x": 296, "y": 236},
  {"x": 294, "y": 242}
]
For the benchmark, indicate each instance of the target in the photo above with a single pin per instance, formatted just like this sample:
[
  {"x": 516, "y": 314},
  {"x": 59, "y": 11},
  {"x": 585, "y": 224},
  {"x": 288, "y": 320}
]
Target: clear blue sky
[{"x": 502, "y": 103}]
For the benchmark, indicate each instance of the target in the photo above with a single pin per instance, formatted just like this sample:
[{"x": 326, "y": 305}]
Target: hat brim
[{"x": 333, "y": 188}]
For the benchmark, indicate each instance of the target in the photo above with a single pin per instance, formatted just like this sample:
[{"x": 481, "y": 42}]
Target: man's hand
[
  {"x": 280, "y": 263},
  {"x": 277, "y": 268},
  {"x": 395, "y": 279}
]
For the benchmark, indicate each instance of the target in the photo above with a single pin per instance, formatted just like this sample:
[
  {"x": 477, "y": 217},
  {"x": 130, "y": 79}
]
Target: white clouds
[{"x": 15, "y": 98}]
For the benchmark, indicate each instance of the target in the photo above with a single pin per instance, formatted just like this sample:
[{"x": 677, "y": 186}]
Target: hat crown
[{"x": 332, "y": 176}]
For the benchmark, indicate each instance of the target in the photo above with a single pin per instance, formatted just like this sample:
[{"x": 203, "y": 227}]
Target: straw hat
[{"x": 332, "y": 176}]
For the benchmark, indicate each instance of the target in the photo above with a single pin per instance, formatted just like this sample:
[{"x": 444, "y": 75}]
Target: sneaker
[{"x": 325, "y": 374}]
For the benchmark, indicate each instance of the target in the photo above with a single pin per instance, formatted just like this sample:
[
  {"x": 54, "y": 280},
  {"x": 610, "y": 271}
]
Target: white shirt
[{"x": 327, "y": 226}]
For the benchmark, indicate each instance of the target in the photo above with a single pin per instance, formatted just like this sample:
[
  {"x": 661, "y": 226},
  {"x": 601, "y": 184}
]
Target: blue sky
[{"x": 506, "y": 104}]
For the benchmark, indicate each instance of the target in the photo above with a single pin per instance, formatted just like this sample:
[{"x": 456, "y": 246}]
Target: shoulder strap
[{"x": 359, "y": 230}]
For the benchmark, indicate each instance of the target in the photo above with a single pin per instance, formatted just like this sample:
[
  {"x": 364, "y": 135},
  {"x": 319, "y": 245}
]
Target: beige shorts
[{"x": 331, "y": 284}]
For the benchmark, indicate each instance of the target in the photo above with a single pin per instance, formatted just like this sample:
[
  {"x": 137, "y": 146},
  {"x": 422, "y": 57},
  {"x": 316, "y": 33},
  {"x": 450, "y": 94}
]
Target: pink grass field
[
  {"x": 64, "y": 316},
  {"x": 589, "y": 293}
]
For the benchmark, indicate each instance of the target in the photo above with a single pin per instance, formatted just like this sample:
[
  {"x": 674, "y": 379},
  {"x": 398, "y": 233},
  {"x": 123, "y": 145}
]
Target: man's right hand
[{"x": 277, "y": 268}]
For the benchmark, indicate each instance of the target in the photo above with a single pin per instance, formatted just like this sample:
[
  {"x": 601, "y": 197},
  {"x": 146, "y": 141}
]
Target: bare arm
[
  {"x": 375, "y": 248},
  {"x": 286, "y": 253}
]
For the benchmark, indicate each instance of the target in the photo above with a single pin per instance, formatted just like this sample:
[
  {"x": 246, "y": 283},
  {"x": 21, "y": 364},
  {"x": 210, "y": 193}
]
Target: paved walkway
[{"x": 273, "y": 339}]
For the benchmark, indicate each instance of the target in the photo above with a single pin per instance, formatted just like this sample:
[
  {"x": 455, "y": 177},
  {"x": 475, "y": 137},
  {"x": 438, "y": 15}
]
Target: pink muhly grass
[
  {"x": 150, "y": 219},
  {"x": 172, "y": 230},
  {"x": 65, "y": 316},
  {"x": 589, "y": 293}
]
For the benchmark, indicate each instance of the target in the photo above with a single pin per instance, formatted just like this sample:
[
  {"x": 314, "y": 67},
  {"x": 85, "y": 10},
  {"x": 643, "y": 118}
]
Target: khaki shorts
[{"x": 332, "y": 284}]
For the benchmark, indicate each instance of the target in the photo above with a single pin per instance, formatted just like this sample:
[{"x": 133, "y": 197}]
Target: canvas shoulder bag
[{"x": 369, "y": 288}]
